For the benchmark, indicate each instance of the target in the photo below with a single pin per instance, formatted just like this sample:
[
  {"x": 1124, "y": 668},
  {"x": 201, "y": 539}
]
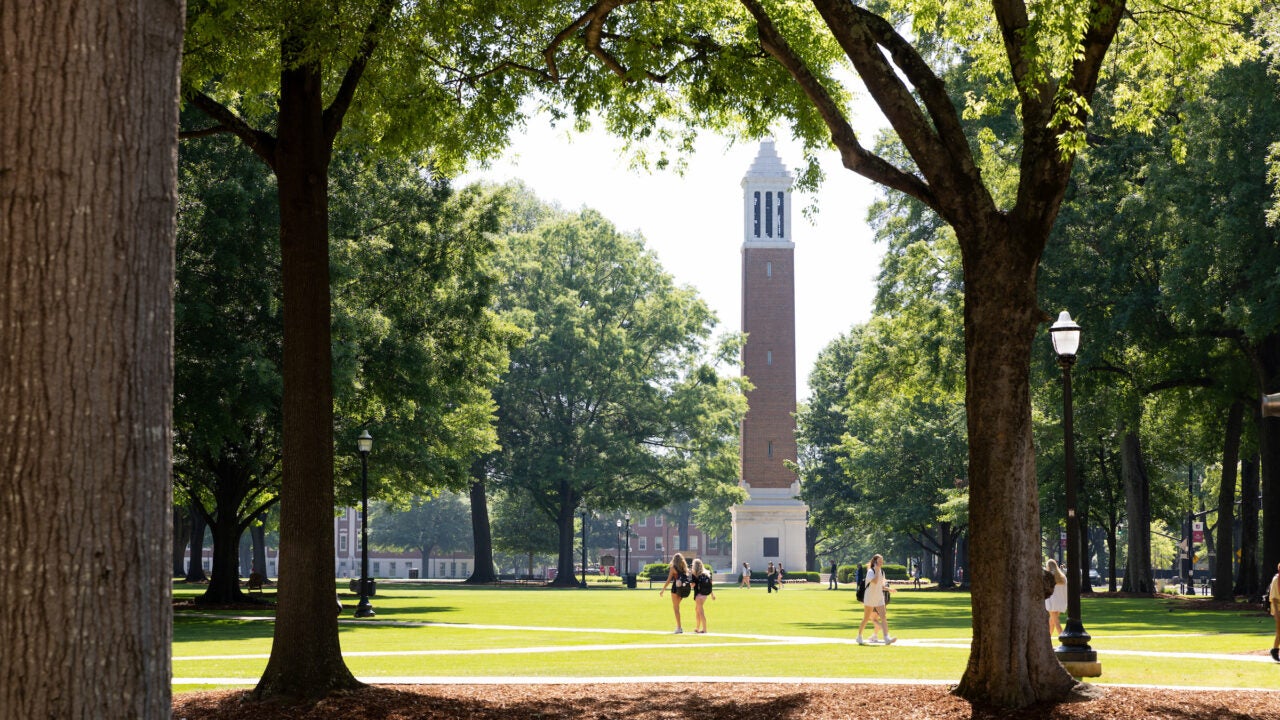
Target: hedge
[{"x": 847, "y": 573}]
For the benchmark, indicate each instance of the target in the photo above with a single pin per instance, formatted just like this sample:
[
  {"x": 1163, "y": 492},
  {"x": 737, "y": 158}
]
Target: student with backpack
[
  {"x": 681, "y": 584},
  {"x": 702, "y": 589},
  {"x": 872, "y": 593}
]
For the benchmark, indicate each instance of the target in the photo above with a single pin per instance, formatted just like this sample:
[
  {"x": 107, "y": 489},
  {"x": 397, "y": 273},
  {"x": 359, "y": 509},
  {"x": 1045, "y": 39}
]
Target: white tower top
[{"x": 766, "y": 201}]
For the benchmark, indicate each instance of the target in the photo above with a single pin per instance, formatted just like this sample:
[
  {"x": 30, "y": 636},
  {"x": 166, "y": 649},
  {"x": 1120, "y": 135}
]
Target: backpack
[
  {"x": 862, "y": 584},
  {"x": 1049, "y": 581},
  {"x": 681, "y": 585},
  {"x": 704, "y": 584}
]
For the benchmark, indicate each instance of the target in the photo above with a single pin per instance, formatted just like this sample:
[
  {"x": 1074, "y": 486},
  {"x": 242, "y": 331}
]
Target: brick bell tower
[{"x": 770, "y": 525}]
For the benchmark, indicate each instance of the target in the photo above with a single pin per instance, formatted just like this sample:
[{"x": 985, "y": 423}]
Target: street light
[
  {"x": 627, "y": 552},
  {"x": 617, "y": 536},
  {"x": 364, "y": 444},
  {"x": 1074, "y": 647}
]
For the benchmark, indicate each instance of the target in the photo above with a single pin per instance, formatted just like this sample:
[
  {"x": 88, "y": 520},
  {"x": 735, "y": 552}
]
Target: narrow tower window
[
  {"x": 782, "y": 226},
  {"x": 770, "y": 448},
  {"x": 768, "y": 213},
  {"x": 768, "y": 269},
  {"x": 768, "y": 357},
  {"x": 756, "y": 207}
]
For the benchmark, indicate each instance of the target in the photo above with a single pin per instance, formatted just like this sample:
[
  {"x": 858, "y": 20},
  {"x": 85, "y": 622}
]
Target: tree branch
[
  {"x": 337, "y": 110},
  {"x": 262, "y": 144}
]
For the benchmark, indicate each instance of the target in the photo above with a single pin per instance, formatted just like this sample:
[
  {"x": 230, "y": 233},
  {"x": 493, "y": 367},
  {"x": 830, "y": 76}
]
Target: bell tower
[{"x": 770, "y": 525}]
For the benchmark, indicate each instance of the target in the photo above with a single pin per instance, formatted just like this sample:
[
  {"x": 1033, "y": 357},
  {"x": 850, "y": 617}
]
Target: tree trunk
[
  {"x": 1137, "y": 504},
  {"x": 195, "y": 568},
  {"x": 1011, "y": 661},
  {"x": 88, "y": 167},
  {"x": 258, "y": 531},
  {"x": 1222, "y": 575},
  {"x": 224, "y": 576},
  {"x": 1248, "y": 579},
  {"x": 482, "y": 538},
  {"x": 811, "y": 549},
  {"x": 181, "y": 538},
  {"x": 564, "y": 523},
  {"x": 306, "y": 657}
]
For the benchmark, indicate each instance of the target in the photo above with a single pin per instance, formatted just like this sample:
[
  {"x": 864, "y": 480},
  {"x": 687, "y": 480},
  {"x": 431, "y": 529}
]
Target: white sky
[{"x": 694, "y": 222}]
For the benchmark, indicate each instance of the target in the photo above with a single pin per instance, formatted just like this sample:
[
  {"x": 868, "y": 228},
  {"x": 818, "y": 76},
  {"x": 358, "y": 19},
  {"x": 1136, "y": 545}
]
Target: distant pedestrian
[
  {"x": 680, "y": 582},
  {"x": 873, "y": 603},
  {"x": 832, "y": 584},
  {"x": 746, "y": 576},
  {"x": 915, "y": 574},
  {"x": 1056, "y": 603},
  {"x": 702, "y": 589},
  {"x": 1273, "y": 596},
  {"x": 782, "y": 576},
  {"x": 771, "y": 578}
]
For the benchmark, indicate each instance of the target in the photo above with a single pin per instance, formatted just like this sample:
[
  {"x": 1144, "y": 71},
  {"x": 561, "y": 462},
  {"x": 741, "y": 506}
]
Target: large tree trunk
[
  {"x": 1137, "y": 504},
  {"x": 195, "y": 567},
  {"x": 224, "y": 575},
  {"x": 482, "y": 538},
  {"x": 1011, "y": 661},
  {"x": 1222, "y": 576},
  {"x": 306, "y": 658},
  {"x": 181, "y": 538},
  {"x": 564, "y": 523},
  {"x": 88, "y": 167},
  {"x": 258, "y": 531},
  {"x": 1269, "y": 446},
  {"x": 1248, "y": 579}
]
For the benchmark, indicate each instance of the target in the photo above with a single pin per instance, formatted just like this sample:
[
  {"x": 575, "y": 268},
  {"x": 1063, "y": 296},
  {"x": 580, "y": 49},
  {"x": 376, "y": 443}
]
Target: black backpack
[
  {"x": 681, "y": 585},
  {"x": 862, "y": 584},
  {"x": 704, "y": 584}
]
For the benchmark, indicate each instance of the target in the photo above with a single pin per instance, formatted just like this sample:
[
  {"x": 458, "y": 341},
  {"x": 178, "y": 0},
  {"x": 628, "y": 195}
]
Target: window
[
  {"x": 443, "y": 565},
  {"x": 644, "y": 521},
  {"x": 453, "y": 568},
  {"x": 644, "y": 543},
  {"x": 768, "y": 213},
  {"x": 464, "y": 568},
  {"x": 781, "y": 225},
  {"x": 342, "y": 542},
  {"x": 768, "y": 357},
  {"x": 756, "y": 205},
  {"x": 675, "y": 543},
  {"x": 657, "y": 521},
  {"x": 657, "y": 544},
  {"x": 393, "y": 568},
  {"x": 771, "y": 547},
  {"x": 377, "y": 568},
  {"x": 693, "y": 542},
  {"x": 770, "y": 448},
  {"x": 768, "y": 269},
  {"x": 713, "y": 543}
]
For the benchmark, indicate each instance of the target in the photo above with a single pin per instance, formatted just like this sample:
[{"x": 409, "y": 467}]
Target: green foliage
[
  {"x": 614, "y": 400},
  {"x": 519, "y": 528},
  {"x": 656, "y": 571},
  {"x": 430, "y": 525},
  {"x": 895, "y": 572}
]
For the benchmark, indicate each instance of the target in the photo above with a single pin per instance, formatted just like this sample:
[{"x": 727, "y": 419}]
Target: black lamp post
[
  {"x": 583, "y": 582},
  {"x": 1074, "y": 647},
  {"x": 364, "y": 444},
  {"x": 627, "y": 551},
  {"x": 617, "y": 536}
]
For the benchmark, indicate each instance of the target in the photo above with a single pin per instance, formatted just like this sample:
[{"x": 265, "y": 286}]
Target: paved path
[{"x": 732, "y": 640}]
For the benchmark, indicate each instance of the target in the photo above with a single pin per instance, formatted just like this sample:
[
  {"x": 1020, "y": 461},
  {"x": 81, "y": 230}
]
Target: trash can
[{"x": 630, "y": 580}]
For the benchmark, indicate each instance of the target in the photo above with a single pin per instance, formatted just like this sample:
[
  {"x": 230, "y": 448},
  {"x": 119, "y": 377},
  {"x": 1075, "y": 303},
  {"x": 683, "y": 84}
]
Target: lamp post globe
[
  {"x": 364, "y": 445},
  {"x": 1074, "y": 651}
]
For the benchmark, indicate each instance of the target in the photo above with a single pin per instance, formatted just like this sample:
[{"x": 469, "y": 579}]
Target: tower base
[{"x": 772, "y": 520}]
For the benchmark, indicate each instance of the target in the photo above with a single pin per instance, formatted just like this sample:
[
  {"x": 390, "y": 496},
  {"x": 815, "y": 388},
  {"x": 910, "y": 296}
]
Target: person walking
[
  {"x": 702, "y": 589},
  {"x": 746, "y": 576},
  {"x": 915, "y": 574},
  {"x": 782, "y": 575},
  {"x": 679, "y": 580},
  {"x": 832, "y": 584},
  {"x": 1056, "y": 603},
  {"x": 771, "y": 578},
  {"x": 1273, "y": 595},
  {"x": 873, "y": 603}
]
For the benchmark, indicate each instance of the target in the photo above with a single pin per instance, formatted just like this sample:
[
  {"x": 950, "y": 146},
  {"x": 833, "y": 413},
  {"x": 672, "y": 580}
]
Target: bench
[{"x": 255, "y": 583}]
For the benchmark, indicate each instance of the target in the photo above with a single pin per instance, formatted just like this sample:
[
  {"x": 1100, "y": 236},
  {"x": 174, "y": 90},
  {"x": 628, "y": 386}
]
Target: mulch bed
[{"x": 725, "y": 701}]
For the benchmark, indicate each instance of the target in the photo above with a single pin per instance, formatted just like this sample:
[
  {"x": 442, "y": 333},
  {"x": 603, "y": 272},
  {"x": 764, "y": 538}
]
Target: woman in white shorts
[{"x": 873, "y": 603}]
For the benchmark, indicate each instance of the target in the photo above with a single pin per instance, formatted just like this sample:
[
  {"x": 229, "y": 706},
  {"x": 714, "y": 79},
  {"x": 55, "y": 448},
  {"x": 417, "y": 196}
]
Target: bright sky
[{"x": 694, "y": 222}]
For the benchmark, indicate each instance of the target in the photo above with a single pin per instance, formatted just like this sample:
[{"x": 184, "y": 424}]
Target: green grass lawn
[{"x": 610, "y": 631}]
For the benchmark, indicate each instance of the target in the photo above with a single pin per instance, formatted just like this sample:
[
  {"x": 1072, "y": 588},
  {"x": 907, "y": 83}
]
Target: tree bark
[
  {"x": 195, "y": 567},
  {"x": 564, "y": 522},
  {"x": 482, "y": 537},
  {"x": 224, "y": 574},
  {"x": 1011, "y": 661},
  {"x": 88, "y": 168},
  {"x": 181, "y": 538},
  {"x": 1248, "y": 579},
  {"x": 259, "y": 533},
  {"x": 306, "y": 657},
  {"x": 1137, "y": 503},
  {"x": 1222, "y": 576}
]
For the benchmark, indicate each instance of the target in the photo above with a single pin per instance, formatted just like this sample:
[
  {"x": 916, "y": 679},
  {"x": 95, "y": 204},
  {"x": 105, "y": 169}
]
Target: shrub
[
  {"x": 807, "y": 576},
  {"x": 895, "y": 572},
  {"x": 656, "y": 571},
  {"x": 847, "y": 574}
]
